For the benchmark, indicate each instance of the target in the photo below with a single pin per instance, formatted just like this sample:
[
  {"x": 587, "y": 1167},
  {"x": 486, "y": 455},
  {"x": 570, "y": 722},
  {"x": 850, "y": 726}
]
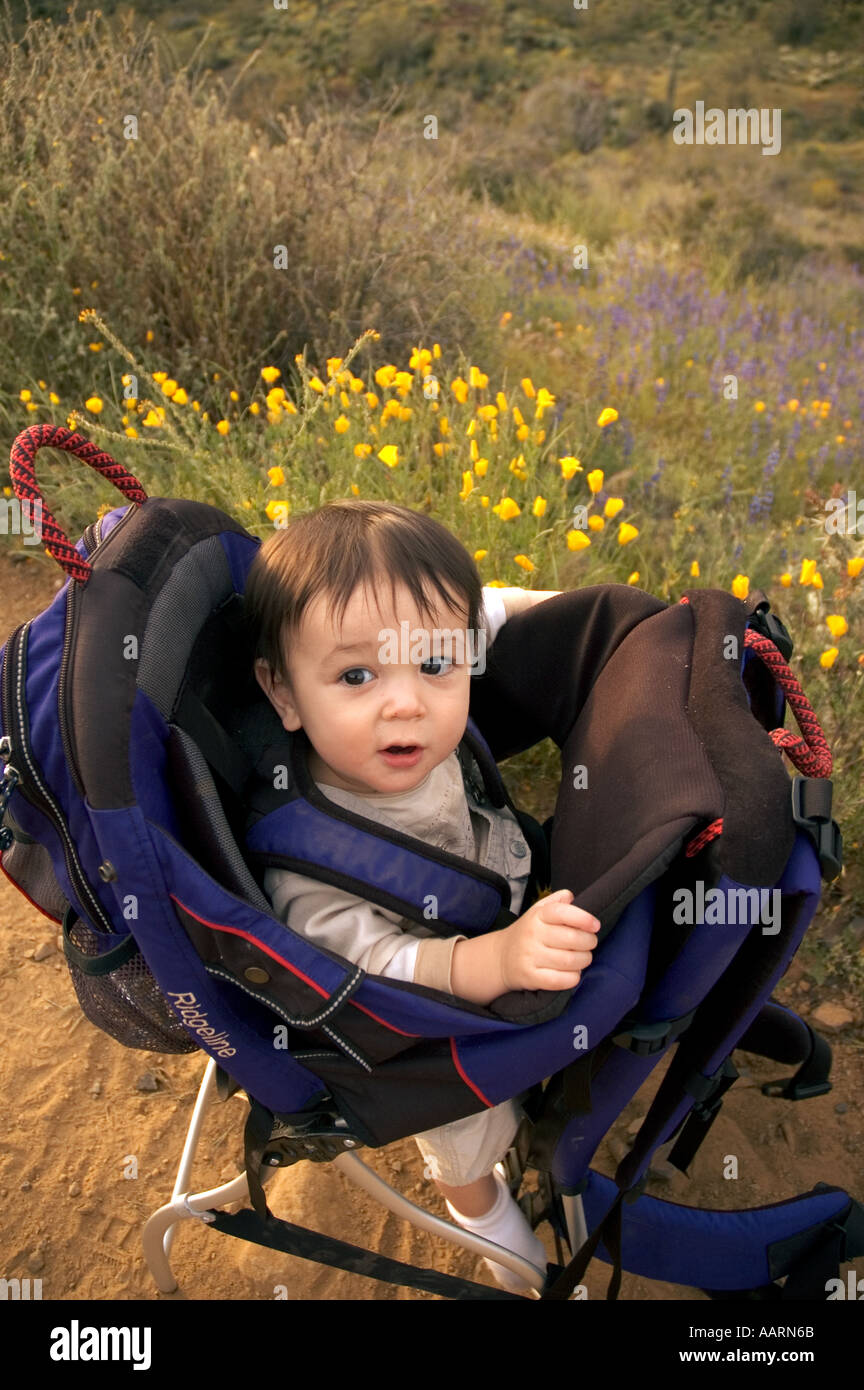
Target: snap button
[
  {"x": 518, "y": 849},
  {"x": 256, "y": 976}
]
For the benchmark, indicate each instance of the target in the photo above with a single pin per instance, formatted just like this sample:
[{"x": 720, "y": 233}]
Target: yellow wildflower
[
  {"x": 223, "y": 426},
  {"x": 793, "y": 405},
  {"x": 480, "y": 466},
  {"x": 467, "y": 485},
  {"x": 355, "y": 489},
  {"x": 506, "y": 509},
  {"x": 317, "y": 385},
  {"x": 539, "y": 507},
  {"x": 596, "y": 523},
  {"x": 357, "y": 385},
  {"x": 524, "y": 562},
  {"x": 254, "y": 407},
  {"x": 577, "y": 540},
  {"x": 808, "y": 569},
  {"x": 385, "y": 375},
  {"x": 362, "y": 451},
  {"x": 93, "y": 404},
  {"x": 333, "y": 365},
  {"x": 569, "y": 466},
  {"x": 151, "y": 419},
  {"x": 785, "y": 580},
  {"x": 341, "y": 424},
  {"x": 594, "y": 479},
  {"x": 270, "y": 374},
  {"x": 459, "y": 389},
  {"x": 402, "y": 381},
  {"x": 855, "y": 566},
  {"x": 276, "y": 476},
  {"x": 444, "y": 425},
  {"x": 179, "y": 397},
  {"x": 487, "y": 412},
  {"x": 694, "y": 570},
  {"x": 501, "y": 401},
  {"x": 634, "y": 578},
  {"x": 607, "y": 417},
  {"x": 479, "y": 380},
  {"x": 612, "y": 507},
  {"x": 371, "y": 400},
  {"x": 389, "y": 455},
  {"x": 25, "y": 395},
  {"x": 828, "y": 658},
  {"x": 759, "y": 405},
  {"x": 528, "y": 387},
  {"x": 277, "y": 511},
  {"x": 518, "y": 417},
  {"x": 132, "y": 433},
  {"x": 741, "y": 586},
  {"x": 837, "y": 625},
  {"x": 627, "y": 533},
  {"x": 817, "y": 581}
]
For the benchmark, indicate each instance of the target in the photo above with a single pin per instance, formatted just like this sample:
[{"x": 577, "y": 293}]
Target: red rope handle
[
  {"x": 23, "y": 475},
  {"x": 810, "y": 754}
]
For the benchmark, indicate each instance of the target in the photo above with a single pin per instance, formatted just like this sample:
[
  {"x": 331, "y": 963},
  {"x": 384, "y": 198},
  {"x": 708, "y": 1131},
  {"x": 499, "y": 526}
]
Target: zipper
[{"x": 27, "y": 777}]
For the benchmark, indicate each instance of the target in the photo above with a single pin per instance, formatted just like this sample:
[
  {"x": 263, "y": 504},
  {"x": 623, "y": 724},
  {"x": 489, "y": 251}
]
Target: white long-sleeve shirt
[{"x": 438, "y": 812}]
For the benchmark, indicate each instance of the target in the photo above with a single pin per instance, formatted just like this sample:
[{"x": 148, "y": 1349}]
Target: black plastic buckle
[
  {"x": 767, "y": 624},
  {"x": 647, "y": 1038},
  {"x": 811, "y": 809},
  {"x": 317, "y": 1137}
]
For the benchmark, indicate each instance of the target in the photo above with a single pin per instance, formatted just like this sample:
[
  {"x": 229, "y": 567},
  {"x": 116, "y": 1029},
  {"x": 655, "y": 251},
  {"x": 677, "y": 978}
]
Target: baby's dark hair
[{"x": 345, "y": 544}]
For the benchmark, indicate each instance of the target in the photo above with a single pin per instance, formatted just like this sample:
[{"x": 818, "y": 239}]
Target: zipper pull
[{"x": 8, "y": 782}]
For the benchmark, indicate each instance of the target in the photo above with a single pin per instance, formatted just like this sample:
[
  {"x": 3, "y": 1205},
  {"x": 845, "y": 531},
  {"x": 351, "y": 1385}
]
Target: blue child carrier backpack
[{"x": 139, "y": 810}]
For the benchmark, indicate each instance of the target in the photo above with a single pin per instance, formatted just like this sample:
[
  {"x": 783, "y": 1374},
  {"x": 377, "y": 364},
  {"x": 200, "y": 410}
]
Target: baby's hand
[{"x": 549, "y": 946}]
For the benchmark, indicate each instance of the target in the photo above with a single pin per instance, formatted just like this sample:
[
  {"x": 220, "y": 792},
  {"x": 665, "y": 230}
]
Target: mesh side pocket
[{"x": 122, "y": 999}]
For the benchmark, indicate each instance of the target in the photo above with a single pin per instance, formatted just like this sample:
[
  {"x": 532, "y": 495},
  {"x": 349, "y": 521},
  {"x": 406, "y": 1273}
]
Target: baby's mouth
[{"x": 401, "y": 748}]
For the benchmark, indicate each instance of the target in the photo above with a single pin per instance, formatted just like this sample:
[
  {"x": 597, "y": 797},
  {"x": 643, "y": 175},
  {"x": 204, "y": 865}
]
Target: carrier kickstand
[{"x": 158, "y": 1233}]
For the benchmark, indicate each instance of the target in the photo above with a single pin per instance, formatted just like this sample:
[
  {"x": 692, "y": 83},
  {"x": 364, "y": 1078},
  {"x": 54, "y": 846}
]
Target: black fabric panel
[{"x": 404, "y": 1096}]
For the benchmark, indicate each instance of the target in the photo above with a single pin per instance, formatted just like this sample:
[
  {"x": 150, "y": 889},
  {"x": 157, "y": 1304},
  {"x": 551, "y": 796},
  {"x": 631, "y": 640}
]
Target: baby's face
[{"x": 374, "y": 684}]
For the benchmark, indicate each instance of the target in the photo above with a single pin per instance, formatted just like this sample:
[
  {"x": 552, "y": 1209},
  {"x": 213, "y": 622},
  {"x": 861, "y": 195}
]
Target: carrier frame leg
[{"x": 160, "y": 1229}]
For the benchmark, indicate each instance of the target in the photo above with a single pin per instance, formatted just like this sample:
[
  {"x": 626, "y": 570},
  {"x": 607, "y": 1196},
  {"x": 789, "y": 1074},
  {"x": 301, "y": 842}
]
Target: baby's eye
[
  {"x": 354, "y": 671},
  {"x": 439, "y": 661}
]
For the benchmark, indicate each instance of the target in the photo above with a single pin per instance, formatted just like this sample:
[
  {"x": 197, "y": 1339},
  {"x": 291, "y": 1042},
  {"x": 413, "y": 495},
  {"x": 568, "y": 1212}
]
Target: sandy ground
[{"x": 75, "y": 1120}]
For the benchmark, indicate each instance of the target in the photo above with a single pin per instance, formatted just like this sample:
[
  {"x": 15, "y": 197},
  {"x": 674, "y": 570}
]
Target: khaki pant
[{"x": 467, "y": 1149}]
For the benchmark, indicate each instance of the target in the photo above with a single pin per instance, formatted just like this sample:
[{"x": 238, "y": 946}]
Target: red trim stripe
[
  {"x": 468, "y": 1082},
  {"x": 253, "y": 940},
  {"x": 274, "y": 955},
  {"x": 383, "y": 1021}
]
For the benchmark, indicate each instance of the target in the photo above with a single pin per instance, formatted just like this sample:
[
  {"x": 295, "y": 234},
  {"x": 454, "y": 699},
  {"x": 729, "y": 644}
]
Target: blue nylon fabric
[
  {"x": 44, "y": 649},
  {"x": 201, "y": 896},
  {"x": 148, "y": 867},
  {"x": 303, "y": 831},
  {"x": 702, "y": 1248},
  {"x": 240, "y": 551},
  {"x": 801, "y": 875},
  {"x": 503, "y": 1066}
]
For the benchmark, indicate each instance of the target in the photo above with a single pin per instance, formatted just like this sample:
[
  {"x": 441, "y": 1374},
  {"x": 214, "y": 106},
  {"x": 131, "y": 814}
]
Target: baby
[{"x": 326, "y": 596}]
